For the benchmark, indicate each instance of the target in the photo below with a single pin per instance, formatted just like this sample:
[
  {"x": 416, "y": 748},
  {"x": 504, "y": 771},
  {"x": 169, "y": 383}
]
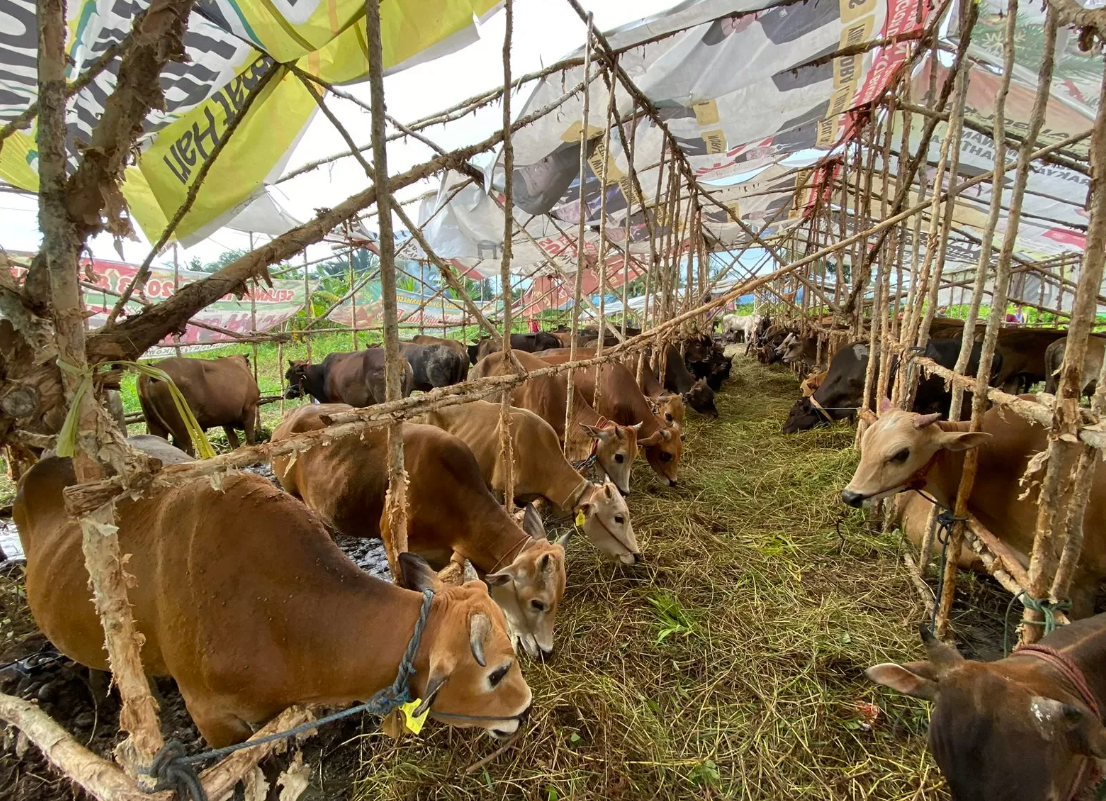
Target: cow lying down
[
  {"x": 1024, "y": 728},
  {"x": 243, "y": 598},
  {"x": 541, "y": 471},
  {"x": 450, "y": 510}
]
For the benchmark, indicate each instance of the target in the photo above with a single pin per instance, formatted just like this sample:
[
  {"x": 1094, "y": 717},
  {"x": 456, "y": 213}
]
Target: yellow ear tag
[
  {"x": 414, "y": 724},
  {"x": 580, "y": 518}
]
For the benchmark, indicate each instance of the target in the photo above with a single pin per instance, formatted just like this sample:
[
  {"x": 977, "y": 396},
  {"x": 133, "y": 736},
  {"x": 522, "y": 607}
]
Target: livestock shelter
[{"x": 836, "y": 161}]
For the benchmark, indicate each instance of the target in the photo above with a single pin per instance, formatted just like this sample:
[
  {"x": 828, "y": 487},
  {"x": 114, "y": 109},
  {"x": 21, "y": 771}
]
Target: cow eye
[
  {"x": 669, "y": 418},
  {"x": 497, "y": 675},
  {"x": 901, "y": 456},
  {"x": 537, "y": 606},
  {"x": 618, "y": 457},
  {"x": 619, "y": 519},
  {"x": 666, "y": 456}
]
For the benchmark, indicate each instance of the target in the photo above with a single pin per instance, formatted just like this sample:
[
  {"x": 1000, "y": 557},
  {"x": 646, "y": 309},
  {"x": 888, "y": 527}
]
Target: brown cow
[
  {"x": 243, "y": 598},
  {"x": 1092, "y": 364},
  {"x": 450, "y": 510},
  {"x": 541, "y": 471},
  {"x": 220, "y": 392},
  {"x": 614, "y": 446},
  {"x": 904, "y": 448},
  {"x": 621, "y": 400},
  {"x": 356, "y": 378},
  {"x": 1024, "y": 728}
]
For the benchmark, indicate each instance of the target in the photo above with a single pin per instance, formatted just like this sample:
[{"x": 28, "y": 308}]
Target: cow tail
[{"x": 149, "y": 409}]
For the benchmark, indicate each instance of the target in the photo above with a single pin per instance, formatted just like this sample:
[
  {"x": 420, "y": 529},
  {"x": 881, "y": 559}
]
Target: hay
[{"x": 730, "y": 664}]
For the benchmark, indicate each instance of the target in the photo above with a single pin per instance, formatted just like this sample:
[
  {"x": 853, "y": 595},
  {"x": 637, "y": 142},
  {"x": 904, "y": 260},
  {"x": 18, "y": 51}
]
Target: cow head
[
  {"x": 296, "y": 376},
  {"x": 802, "y": 417},
  {"x": 530, "y": 589},
  {"x": 662, "y": 450},
  {"x": 786, "y": 347},
  {"x": 700, "y": 398},
  {"x": 669, "y": 408},
  {"x": 720, "y": 368},
  {"x": 615, "y": 450},
  {"x": 607, "y": 522},
  {"x": 470, "y": 667},
  {"x": 897, "y": 450},
  {"x": 1000, "y": 729}
]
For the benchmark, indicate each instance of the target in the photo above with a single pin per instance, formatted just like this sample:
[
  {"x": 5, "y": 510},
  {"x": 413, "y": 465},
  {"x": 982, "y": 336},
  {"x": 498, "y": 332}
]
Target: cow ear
[
  {"x": 964, "y": 440},
  {"x": 1057, "y": 721},
  {"x": 904, "y": 679},
  {"x": 531, "y": 523},
  {"x": 593, "y": 432},
  {"x": 417, "y": 574},
  {"x": 885, "y": 405}
]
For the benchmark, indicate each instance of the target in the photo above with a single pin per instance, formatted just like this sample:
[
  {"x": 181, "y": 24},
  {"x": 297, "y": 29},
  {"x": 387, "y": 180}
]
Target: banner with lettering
[{"x": 231, "y": 45}]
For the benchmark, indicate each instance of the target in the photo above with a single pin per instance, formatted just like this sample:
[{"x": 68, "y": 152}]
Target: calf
[
  {"x": 449, "y": 510},
  {"x": 1024, "y": 728},
  {"x": 588, "y": 434},
  {"x": 220, "y": 392},
  {"x": 243, "y": 598},
  {"x": 541, "y": 471},
  {"x": 904, "y": 449},
  {"x": 434, "y": 365},
  {"x": 1092, "y": 364},
  {"x": 355, "y": 378}
]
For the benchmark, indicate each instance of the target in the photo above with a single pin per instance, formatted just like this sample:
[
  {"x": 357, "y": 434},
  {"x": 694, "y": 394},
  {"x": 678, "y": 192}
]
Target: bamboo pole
[
  {"x": 505, "y": 441},
  {"x": 394, "y": 520}
]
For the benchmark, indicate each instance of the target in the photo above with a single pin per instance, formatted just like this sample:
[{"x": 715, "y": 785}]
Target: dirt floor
[{"x": 728, "y": 665}]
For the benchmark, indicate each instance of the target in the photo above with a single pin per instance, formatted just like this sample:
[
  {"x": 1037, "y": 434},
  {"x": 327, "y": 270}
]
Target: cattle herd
[
  {"x": 202, "y": 593},
  {"x": 499, "y": 579}
]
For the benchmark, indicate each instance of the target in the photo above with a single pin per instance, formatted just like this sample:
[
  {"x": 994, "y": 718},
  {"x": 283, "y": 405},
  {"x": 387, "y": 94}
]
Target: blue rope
[{"x": 174, "y": 771}]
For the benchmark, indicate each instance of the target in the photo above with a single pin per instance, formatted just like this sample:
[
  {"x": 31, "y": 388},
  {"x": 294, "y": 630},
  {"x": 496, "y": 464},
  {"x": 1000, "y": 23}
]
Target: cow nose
[
  {"x": 623, "y": 492},
  {"x": 524, "y": 715},
  {"x": 671, "y": 482},
  {"x": 637, "y": 559},
  {"x": 851, "y": 498},
  {"x": 546, "y": 655}
]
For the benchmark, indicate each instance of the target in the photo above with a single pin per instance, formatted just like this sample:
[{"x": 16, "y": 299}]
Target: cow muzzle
[{"x": 852, "y": 498}]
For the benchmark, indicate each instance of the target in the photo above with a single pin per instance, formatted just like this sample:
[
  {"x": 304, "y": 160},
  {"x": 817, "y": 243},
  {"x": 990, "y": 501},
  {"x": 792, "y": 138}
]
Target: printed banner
[{"x": 231, "y": 45}]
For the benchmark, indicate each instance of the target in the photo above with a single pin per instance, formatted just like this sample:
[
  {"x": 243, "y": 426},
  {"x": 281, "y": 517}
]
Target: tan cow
[
  {"x": 541, "y": 471},
  {"x": 220, "y": 392},
  {"x": 243, "y": 598},
  {"x": 904, "y": 449},
  {"x": 614, "y": 446},
  {"x": 450, "y": 510}
]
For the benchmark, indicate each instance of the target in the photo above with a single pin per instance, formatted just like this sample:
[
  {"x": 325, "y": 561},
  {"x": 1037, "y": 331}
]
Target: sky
[{"x": 544, "y": 32}]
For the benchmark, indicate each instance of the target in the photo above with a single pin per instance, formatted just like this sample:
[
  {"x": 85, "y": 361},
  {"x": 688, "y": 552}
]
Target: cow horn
[
  {"x": 479, "y": 626},
  {"x": 941, "y": 656},
  {"x": 923, "y": 420}
]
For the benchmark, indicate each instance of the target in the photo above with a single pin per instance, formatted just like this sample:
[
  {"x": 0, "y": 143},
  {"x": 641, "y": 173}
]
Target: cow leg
[
  {"x": 250, "y": 426},
  {"x": 216, "y": 722},
  {"x": 183, "y": 441},
  {"x": 232, "y": 437}
]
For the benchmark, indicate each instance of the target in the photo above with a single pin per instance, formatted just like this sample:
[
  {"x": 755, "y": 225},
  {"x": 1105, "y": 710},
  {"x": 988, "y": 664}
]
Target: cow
[
  {"x": 452, "y": 344},
  {"x": 1024, "y": 728},
  {"x": 220, "y": 392},
  {"x": 356, "y": 378},
  {"x": 932, "y": 395},
  {"x": 244, "y": 599},
  {"x": 450, "y": 510},
  {"x": 1023, "y": 352},
  {"x": 905, "y": 449},
  {"x": 588, "y": 434},
  {"x": 531, "y": 343},
  {"x": 695, "y": 392},
  {"x": 433, "y": 365},
  {"x": 622, "y": 401},
  {"x": 706, "y": 361},
  {"x": 540, "y": 470},
  {"x": 739, "y": 328},
  {"x": 1092, "y": 364},
  {"x": 699, "y": 396},
  {"x": 799, "y": 350}
]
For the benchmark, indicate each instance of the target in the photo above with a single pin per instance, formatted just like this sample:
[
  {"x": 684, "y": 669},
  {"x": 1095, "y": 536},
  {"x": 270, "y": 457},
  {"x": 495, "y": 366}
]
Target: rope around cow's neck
[{"x": 175, "y": 771}]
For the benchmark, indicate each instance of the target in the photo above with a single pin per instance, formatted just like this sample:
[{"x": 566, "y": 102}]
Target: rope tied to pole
[
  {"x": 175, "y": 771},
  {"x": 1045, "y": 607},
  {"x": 67, "y": 437}
]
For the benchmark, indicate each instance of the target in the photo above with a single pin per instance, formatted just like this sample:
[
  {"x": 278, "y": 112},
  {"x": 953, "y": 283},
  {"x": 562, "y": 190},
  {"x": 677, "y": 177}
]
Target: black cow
[
  {"x": 355, "y": 378},
  {"x": 434, "y": 365},
  {"x": 843, "y": 389},
  {"x": 677, "y": 378},
  {"x": 531, "y": 343}
]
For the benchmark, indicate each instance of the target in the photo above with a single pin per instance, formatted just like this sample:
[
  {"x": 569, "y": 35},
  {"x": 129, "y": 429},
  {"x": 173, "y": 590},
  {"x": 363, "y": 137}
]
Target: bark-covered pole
[
  {"x": 395, "y": 504},
  {"x": 62, "y": 244},
  {"x": 506, "y": 457},
  {"x": 580, "y": 259},
  {"x": 604, "y": 174}
]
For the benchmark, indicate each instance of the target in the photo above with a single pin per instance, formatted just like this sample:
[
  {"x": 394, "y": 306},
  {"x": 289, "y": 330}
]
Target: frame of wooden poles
[{"x": 679, "y": 249}]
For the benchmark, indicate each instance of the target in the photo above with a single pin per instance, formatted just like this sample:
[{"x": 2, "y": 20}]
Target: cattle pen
[{"x": 950, "y": 165}]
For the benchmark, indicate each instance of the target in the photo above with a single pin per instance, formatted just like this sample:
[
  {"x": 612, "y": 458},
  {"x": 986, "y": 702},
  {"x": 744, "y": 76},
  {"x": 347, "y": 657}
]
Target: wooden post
[
  {"x": 308, "y": 310},
  {"x": 253, "y": 318},
  {"x": 176, "y": 288},
  {"x": 506, "y": 454},
  {"x": 353, "y": 299},
  {"x": 395, "y": 504}
]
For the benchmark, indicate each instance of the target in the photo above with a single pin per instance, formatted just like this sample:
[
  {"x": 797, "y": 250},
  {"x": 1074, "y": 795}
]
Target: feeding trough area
[{"x": 640, "y": 428}]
